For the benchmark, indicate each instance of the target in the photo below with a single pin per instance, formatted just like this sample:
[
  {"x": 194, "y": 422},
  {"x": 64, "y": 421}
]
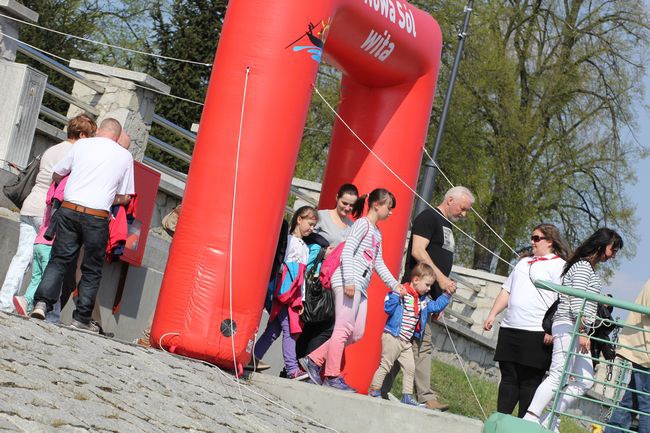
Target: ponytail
[
  {"x": 357, "y": 208},
  {"x": 380, "y": 195}
]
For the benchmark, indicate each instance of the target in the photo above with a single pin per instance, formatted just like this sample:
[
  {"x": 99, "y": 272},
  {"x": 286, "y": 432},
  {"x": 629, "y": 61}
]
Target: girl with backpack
[
  {"x": 361, "y": 254},
  {"x": 332, "y": 228},
  {"x": 287, "y": 306}
]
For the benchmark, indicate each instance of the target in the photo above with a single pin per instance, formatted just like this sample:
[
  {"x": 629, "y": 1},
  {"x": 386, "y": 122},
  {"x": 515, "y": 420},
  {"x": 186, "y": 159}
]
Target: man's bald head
[
  {"x": 124, "y": 140},
  {"x": 109, "y": 128}
]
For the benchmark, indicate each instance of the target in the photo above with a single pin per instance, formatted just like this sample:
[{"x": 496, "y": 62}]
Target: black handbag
[
  {"x": 319, "y": 302},
  {"x": 18, "y": 190},
  {"x": 547, "y": 322}
]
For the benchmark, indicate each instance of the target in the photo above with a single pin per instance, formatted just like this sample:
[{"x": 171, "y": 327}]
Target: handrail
[
  {"x": 463, "y": 300},
  {"x": 53, "y": 90},
  {"x": 301, "y": 195},
  {"x": 570, "y": 291},
  {"x": 164, "y": 169},
  {"x": 170, "y": 126},
  {"x": 568, "y": 374},
  {"x": 465, "y": 282},
  {"x": 459, "y": 316},
  {"x": 58, "y": 67},
  {"x": 168, "y": 148},
  {"x": 49, "y": 113}
]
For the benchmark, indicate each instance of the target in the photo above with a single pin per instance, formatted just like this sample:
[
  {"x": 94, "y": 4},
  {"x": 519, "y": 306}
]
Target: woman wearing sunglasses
[
  {"x": 523, "y": 348},
  {"x": 579, "y": 273}
]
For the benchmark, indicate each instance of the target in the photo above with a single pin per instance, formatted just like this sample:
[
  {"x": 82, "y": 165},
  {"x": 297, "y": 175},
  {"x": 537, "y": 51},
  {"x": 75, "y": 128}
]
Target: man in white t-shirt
[{"x": 100, "y": 175}]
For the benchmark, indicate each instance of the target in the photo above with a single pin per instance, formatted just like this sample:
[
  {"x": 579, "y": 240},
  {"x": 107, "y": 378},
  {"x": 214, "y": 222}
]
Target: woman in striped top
[
  {"x": 361, "y": 255},
  {"x": 579, "y": 274}
]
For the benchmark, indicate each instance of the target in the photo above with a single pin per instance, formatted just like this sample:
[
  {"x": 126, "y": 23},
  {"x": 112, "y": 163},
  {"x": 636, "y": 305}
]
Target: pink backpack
[{"x": 332, "y": 262}]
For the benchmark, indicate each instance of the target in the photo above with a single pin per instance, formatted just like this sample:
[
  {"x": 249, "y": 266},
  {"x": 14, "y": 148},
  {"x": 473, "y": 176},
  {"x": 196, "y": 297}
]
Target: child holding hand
[{"x": 407, "y": 317}]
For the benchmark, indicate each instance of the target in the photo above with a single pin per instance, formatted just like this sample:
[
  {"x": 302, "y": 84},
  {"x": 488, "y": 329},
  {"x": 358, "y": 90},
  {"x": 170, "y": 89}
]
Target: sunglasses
[{"x": 536, "y": 238}]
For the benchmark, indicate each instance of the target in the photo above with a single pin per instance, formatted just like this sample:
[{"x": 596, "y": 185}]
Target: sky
[{"x": 632, "y": 273}]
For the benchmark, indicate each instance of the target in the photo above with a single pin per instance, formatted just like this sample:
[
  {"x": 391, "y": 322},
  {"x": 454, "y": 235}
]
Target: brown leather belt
[{"x": 83, "y": 209}]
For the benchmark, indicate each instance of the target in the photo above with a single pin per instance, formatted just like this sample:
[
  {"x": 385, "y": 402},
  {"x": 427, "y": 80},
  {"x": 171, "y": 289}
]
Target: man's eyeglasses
[{"x": 536, "y": 238}]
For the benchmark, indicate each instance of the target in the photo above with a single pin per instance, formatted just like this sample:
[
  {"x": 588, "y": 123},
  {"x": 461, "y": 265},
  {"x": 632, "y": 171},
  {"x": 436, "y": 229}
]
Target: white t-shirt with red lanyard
[{"x": 527, "y": 304}]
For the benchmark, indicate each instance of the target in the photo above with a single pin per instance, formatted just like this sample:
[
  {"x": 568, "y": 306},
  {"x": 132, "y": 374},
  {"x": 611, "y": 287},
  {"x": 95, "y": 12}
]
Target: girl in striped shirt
[
  {"x": 579, "y": 274},
  {"x": 361, "y": 255}
]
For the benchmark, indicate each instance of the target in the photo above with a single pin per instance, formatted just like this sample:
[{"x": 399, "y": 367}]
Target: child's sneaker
[
  {"x": 312, "y": 370},
  {"x": 338, "y": 383},
  {"x": 298, "y": 375},
  {"x": 20, "y": 304},
  {"x": 408, "y": 399},
  {"x": 374, "y": 393}
]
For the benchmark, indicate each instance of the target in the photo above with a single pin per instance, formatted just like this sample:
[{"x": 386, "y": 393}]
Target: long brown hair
[
  {"x": 594, "y": 246},
  {"x": 552, "y": 234}
]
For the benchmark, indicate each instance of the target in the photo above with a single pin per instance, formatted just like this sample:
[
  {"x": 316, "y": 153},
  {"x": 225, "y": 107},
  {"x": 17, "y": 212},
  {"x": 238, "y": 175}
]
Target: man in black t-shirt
[{"x": 432, "y": 242}]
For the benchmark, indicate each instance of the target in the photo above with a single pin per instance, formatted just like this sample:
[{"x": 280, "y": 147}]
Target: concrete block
[
  {"x": 136, "y": 77},
  {"x": 353, "y": 413}
]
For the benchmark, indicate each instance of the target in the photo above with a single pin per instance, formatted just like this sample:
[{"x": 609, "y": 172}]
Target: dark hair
[
  {"x": 378, "y": 195},
  {"x": 302, "y": 212},
  {"x": 594, "y": 247},
  {"x": 422, "y": 270},
  {"x": 552, "y": 234},
  {"x": 81, "y": 124},
  {"x": 347, "y": 188}
]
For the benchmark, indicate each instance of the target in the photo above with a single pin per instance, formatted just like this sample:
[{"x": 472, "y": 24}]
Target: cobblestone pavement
[{"x": 56, "y": 379}]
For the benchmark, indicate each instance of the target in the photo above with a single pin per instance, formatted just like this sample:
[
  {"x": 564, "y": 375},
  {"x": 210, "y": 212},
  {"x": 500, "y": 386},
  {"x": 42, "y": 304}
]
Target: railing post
[
  {"x": 22, "y": 89},
  {"x": 11, "y": 28},
  {"x": 129, "y": 97}
]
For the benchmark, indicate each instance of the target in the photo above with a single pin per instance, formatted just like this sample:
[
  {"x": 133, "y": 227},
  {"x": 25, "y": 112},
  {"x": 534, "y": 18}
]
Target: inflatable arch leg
[{"x": 264, "y": 70}]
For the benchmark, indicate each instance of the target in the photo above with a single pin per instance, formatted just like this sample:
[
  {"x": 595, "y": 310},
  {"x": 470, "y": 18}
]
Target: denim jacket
[{"x": 394, "y": 307}]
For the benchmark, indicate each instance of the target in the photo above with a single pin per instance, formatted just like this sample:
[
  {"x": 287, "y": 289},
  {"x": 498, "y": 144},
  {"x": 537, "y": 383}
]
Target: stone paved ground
[{"x": 56, "y": 379}]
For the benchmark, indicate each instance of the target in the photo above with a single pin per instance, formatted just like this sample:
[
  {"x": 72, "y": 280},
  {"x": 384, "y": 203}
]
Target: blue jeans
[
  {"x": 73, "y": 230},
  {"x": 632, "y": 400}
]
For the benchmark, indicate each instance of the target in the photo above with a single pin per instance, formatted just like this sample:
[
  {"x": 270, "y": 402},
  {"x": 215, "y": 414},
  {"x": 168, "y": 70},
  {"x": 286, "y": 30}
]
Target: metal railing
[
  {"x": 623, "y": 368},
  {"x": 169, "y": 149},
  {"x": 58, "y": 93},
  {"x": 57, "y": 119}
]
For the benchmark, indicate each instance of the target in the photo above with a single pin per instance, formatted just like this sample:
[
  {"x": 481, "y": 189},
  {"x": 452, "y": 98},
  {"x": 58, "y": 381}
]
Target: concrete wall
[
  {"x": 141, "y": 286},
  {"x": 354, "y": 413}
]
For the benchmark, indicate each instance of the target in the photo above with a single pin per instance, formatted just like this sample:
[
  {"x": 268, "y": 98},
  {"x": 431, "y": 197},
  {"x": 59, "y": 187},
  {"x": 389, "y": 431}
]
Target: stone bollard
[{"x": 129, "y": 97}]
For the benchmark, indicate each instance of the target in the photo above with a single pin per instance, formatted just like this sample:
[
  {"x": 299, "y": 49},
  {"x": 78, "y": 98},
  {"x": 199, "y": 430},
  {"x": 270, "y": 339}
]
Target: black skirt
[{"x": 523, "y": 347}]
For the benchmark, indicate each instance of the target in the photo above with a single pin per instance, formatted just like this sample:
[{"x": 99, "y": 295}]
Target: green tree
[
  {"x": 188, "y": 30},
  {"x": 118, "y": 23},
  {"x": 67, "y": 16},
  {"x": 541, "y": 108}
]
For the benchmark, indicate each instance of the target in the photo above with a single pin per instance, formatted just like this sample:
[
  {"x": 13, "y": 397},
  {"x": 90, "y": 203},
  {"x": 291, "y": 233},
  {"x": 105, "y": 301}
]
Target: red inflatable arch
[{"x": 389, "y": 54}]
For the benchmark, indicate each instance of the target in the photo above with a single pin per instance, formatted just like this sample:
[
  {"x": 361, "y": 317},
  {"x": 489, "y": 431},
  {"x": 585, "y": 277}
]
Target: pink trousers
[{"x": 349, "y": 325}]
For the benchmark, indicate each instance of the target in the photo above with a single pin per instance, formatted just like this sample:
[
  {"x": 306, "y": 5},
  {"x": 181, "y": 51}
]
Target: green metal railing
[
  {"x": 624, "y": 368},
  {"x": 501, "y": 423}
]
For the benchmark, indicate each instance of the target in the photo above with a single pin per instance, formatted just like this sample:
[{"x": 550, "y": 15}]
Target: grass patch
[{"x": 452, "y": 387}]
